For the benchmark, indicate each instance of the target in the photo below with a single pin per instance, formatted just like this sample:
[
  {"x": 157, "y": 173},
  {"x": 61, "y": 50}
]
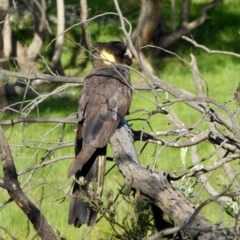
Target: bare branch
[
  {"x": 203, "y": 15},
  {"x": 209, "y": 50},
  {"x": 44, "y": 230},
  {"x": 203, "y": 178},
  {"x": 186, "y": 26},
  {"x": 190, "y": 142},
  {"x": 38, "y": 120},
  {"x": 5, "y": 74},
  {"x": 10, "y": 234},
  {"x": 218, "y": 164},
  {"x": 158, "y": 188},
  {"x": 38, "y": 9},
  {"x": 197, "y": 77},
  {"x": 126, "y": 33},
  {"x": 178, "y": 93},
  {"x": 45, "y": 163},
  {"x": 225, "y": 143}
]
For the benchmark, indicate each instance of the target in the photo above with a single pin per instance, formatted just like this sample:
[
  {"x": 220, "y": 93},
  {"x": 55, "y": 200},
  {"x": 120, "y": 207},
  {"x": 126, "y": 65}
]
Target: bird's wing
[{"x": 105, "y": 101}]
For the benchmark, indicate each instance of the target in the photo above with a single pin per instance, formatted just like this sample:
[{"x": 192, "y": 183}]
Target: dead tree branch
[
  {"x": 210, "y": 50},
  {"x": 38, "y": 120},
  {"x": 10, "y": 234},
  {"x": 42, "y": 227},
  {"x": 158, "y": 189},
  {"x": 178, "y": 93},
  {"x": 186, "y": 26},
  {"x": 5, "y": 75}
]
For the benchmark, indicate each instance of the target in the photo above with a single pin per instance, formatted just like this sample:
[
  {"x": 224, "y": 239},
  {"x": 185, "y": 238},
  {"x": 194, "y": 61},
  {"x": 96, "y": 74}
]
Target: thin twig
[
  {"x": 39, "y": 120},
  {"x": 5, "y": 74},
  {"x": 44, "y": 230},
  {"x": 209, "y": 50}
]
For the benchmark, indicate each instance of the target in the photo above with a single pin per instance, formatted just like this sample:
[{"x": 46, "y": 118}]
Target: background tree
[
  {"x": 154, "y": 27},
  {"x": 27, "y": 54},
  {"x": 56, "y": 59},
  {"x": 4, "y": 5}
]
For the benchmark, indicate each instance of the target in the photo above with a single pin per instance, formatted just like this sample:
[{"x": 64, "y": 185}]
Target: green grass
[{"x": 48, "y": 187}]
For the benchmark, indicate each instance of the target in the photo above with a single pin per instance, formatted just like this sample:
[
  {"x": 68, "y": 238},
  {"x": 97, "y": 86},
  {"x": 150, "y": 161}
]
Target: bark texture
[{"x": 160, "y": 191}]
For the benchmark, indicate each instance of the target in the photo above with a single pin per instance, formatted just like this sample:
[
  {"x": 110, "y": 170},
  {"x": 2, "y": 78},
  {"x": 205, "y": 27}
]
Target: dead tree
[
  {"x": 11, "y": 184},
  {"x": 158, "y": 189}
]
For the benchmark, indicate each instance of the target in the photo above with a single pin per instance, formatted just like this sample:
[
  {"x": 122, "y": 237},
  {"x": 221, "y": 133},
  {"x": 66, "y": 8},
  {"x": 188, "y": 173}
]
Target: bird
[{"x": 105, "y": 100}]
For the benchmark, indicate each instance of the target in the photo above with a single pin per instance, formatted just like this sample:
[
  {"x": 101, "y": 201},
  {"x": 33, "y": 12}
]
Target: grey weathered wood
[{"x": 159, "y": 190}]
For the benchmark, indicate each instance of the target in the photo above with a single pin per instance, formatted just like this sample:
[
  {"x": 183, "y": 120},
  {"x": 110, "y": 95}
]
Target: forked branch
[
  {"x": 10, "y": 178},
  {"x": 158, "y": 189}
]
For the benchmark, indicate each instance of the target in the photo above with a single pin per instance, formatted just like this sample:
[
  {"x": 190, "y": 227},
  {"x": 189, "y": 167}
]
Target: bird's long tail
[
  {"x": 81, "y": 159},
  {"x": 81, "y": 210}
]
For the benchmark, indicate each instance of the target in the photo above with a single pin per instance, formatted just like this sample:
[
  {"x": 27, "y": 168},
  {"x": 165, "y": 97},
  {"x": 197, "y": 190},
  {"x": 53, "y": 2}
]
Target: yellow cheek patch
[{"x": 107, "y": 57}]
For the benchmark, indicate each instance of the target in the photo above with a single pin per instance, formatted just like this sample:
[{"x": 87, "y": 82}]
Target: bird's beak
[{"x": 128, "y": 53}]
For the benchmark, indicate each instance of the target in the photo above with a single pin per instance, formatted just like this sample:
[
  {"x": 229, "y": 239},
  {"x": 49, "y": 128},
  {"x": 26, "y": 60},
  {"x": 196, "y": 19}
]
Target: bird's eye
[{"x": 119, "y": 53}]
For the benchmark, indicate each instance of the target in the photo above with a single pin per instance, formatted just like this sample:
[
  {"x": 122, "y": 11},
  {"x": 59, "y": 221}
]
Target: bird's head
[{"x": 110, "y": 53}]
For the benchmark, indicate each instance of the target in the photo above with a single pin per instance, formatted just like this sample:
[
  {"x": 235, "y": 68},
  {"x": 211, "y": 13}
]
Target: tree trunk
[
  {"x": 85, "y": 33},
  {"x": 147, "y": 23},
  {"x": 4, "y": 5},
  {"x": 158, "y": 189},
  {"x": 27, "y": 55},
  {"x": 11, "y": 184},
  {"x": 151, "y": 27},
  {"x": 56, "y": 59}
]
